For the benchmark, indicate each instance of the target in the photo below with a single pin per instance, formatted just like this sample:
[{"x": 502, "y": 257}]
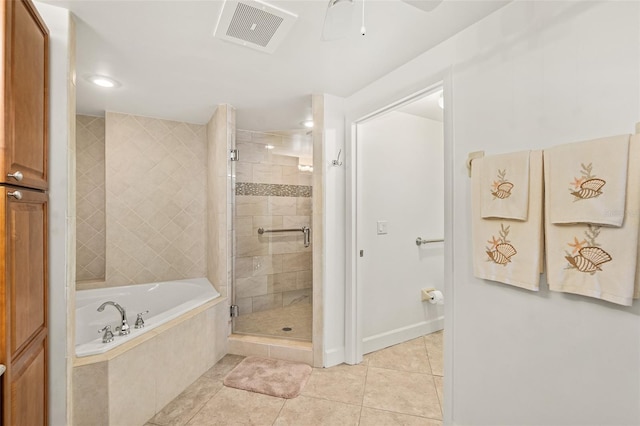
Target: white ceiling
[{"x": 170, "y": 66}]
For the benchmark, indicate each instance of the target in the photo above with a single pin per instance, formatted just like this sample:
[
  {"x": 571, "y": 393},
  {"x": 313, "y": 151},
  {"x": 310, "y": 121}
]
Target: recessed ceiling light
[
  {"x": 269, "y": 146},
  {"x": 308, "y": 124},
  {"x": 103, "y": 81}
]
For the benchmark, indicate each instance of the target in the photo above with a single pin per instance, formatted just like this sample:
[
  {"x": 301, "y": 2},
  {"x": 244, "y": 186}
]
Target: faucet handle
[
  {"x": 139, "y": 320},
  {"x": 108, "y": 335}
]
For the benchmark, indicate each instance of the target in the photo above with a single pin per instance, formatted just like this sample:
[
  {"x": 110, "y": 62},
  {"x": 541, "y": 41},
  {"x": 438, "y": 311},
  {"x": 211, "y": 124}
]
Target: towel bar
[
  {"x": 305, "y": 230},
  {"x": 472, "y": 156},
  {"x": 420, "y": 241}
]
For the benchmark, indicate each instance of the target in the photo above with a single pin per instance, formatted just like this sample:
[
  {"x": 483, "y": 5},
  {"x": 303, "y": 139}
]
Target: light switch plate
[{"x": 382, "y": 227}]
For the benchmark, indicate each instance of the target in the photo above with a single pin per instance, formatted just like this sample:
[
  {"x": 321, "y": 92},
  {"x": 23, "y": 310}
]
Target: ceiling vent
[{"x": 254, "y": 24}]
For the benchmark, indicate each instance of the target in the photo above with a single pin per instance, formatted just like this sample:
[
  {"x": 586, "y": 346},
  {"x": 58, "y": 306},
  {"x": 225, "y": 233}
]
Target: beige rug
[{"x": 282, "y": 379}]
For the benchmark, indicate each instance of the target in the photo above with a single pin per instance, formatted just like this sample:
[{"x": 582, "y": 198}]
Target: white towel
[
  {"x": 504, "y": 250},
  {"x": 505, "y": 186},
  {"x": 597, "y": 261},
  {"x": 586, "y": 181}
]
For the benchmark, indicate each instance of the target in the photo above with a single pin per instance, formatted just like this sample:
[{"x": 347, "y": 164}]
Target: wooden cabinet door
[
  {"x": 23, "y": 257},
  {"x": 24, "y": 140}
]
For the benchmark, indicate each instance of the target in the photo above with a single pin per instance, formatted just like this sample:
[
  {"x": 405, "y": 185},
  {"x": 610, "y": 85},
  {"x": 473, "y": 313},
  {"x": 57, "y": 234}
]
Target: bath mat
[{"x": 282, "y": 379}]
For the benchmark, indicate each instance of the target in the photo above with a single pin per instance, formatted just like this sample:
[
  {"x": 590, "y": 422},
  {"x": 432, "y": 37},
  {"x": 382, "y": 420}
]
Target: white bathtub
[{"x": 164, "y": 301}]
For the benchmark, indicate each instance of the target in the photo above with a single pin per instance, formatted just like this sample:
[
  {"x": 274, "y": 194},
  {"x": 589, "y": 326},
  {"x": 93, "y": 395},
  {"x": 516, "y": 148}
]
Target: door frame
[{"x": 353, "y": 289}]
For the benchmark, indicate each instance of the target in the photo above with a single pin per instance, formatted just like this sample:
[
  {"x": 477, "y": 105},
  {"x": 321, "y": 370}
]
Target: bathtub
[
  {"x": 127, "y": 381},
  {"x": 165, "y": 301}
]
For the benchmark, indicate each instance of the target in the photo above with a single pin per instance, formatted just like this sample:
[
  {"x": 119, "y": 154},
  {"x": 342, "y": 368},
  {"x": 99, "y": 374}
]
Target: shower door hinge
[
  {"x": 235, "y": 155},
  {"x": 234, "y": 311}
]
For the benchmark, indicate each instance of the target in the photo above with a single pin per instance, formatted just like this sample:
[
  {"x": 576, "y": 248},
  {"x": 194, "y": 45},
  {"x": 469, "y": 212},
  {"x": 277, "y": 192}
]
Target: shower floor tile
[
  {"x": 275, "y": 322},
  {"x": 385, "y": 389}
]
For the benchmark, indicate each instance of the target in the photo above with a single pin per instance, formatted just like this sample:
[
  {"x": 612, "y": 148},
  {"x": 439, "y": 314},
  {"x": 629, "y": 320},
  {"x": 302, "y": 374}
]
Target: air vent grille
[{"x": 253, "y": 25}]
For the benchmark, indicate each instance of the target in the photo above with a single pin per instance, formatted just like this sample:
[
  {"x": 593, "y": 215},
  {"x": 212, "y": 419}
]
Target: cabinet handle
[
  {"x": 15, "y": 194},
  {"x": 17, "y": 175}
]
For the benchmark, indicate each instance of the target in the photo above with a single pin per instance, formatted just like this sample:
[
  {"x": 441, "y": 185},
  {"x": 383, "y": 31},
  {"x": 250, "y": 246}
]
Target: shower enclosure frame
[{"x": 306, "y": 234}]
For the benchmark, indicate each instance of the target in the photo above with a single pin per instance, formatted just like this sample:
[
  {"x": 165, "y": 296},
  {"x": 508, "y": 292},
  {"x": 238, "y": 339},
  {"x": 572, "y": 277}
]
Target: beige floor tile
[
  {"x": 402, "y": 392},
  {"x": 315, "y": 411},
  {"x": 188, "y": 403},
  {"x": 408, "y": 356},
  {"x": 373, "y": 417},
  {"x": 342, "y": 383},
  {"x": 233, "y": 406},
  {"x": 223, "y": 367},
  {"x": 440, "y": 389},
  {"x": 434, "y": 344}
]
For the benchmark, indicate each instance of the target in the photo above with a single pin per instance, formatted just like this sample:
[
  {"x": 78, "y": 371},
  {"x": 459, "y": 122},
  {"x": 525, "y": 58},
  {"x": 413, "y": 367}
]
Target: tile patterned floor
[
  {"x": 270, "y": 323},
  {"x": 400, "y": 385}
]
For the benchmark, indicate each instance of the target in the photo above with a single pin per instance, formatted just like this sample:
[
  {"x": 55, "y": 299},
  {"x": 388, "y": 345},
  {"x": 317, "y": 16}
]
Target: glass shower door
[{"x": 272, "y": 263}]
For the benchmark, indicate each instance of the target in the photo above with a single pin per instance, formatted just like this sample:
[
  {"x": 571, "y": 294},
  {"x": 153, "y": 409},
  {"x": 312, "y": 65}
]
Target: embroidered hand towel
[
  {"x": 587, "y": 181},
  {"x": 593, "y": 260},
  {"x": 505, "y": 250},
  {"x": 505, "y": 186}
]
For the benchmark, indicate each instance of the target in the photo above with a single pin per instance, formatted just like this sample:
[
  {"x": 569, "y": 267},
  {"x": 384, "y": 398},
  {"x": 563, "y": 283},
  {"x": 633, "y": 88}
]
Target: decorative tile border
[{"x": 272, "y": 190}]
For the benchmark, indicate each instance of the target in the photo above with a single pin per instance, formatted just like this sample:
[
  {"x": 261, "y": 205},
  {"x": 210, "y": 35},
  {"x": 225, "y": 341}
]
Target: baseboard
[
  {"x": 400, "y": 335},
  {"x": 333, "y": 357}
]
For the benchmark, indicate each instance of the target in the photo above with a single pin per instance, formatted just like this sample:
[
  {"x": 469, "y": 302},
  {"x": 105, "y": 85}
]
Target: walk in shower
[{"x": 272, "y": 268}]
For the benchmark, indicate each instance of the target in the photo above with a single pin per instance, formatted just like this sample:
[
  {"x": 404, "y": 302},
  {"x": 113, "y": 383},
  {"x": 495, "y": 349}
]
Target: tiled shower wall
[
  {"x": 271, "y": 270},
  {"x": 90, "y": 198},
  {"x": 156, "y": 200}
]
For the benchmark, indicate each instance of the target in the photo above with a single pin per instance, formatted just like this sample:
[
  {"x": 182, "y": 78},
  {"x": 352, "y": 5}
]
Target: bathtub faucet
[{"x": 124, "y": 328}]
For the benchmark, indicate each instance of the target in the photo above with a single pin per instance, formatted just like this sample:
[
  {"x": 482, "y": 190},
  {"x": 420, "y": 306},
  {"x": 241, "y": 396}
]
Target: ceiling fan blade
[
  {"x": 338, "y": 20},
  {"x": 424, "y": 5}
]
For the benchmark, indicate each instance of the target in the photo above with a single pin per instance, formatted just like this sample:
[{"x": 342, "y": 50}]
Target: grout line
[
  {"x": 281, "y": 408},
  {"x": 364, "y": 391},
  {"x": 405, "y": 414},
  {"x": 203, "y": 405},
  {"x": 402, "y": 371},
  {"x": 435, "y": 387},
  {"x": 328, "y": 400}
]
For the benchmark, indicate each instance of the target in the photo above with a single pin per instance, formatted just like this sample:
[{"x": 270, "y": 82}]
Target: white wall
[
  {"x": 531, "y": 75},
  {"x": 61, "y": 217},
  {"x": 401, "y": 182},
  {"x": 334, "y": 231}
]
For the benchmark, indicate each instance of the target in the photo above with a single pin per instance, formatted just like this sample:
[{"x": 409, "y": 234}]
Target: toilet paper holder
[{"x": 432, "y": 296}]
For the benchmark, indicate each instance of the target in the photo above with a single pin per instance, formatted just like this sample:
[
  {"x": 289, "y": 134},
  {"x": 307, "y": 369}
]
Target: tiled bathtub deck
[{"x": 400, "y": 385}]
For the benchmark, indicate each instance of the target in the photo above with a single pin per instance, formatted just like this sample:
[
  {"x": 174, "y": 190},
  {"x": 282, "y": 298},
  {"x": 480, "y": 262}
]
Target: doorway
[{"x": 400, "y": 220}]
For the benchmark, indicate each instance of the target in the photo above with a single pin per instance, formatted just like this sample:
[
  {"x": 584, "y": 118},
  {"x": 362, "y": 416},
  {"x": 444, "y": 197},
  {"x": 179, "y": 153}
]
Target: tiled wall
[
  {"x": 90, "y": 198},
  {"x": 271, "y": 270},
  {"x": 156, "y": 200},
  {"x": 221, "y": 131}
]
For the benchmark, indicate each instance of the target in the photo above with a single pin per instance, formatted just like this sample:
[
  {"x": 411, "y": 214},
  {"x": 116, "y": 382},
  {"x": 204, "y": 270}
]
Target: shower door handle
[{"x": 307, "y": 235}]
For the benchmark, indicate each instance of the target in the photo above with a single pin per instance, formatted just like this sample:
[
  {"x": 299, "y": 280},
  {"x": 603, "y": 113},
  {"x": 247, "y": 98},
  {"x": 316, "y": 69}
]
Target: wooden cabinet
[
  {"x": 23, "y": 213},
  {"x": 23, "y": 250},
  {"x": 25, "y": 96}
]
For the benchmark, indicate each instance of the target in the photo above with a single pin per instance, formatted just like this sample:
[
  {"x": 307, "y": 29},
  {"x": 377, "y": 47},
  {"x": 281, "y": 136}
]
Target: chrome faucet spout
[{"x": 124, "y": 327}]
